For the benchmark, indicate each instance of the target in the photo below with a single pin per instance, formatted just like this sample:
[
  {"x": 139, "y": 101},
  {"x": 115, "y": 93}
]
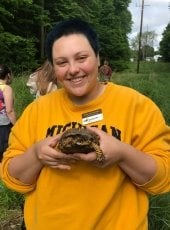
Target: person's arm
[
  {"x": 26, "y": 167},
  {"x": 139, "y": 166},
  {"x": 9, "y": 103}
]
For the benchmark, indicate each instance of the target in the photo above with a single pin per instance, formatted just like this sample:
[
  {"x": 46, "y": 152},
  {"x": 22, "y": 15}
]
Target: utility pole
[
  {"x": 140, "y": 36},
  {"x": 146, "y": 45}
]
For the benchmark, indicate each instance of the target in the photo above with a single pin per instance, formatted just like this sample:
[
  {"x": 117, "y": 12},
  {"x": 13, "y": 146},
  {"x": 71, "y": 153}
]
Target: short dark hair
[
  {"x": 67, "y": 27},
  {"x": 4, "y": 70}
]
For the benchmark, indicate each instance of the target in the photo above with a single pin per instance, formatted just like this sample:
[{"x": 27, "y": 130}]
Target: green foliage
[
  {"x": 66, "y": 9},
  {"x": 148, "y": 51},
  {"x": 147, "y": 41},
  {"x": 153, "y": 81},
  {"x": 20, "y": 33},
  {"x": 10, "y": 199},
  {"x": 22, "y": 94},
  {"x": 165, "y": 44},
  {"x": 27, "y": 22},
  {"x": 17, "y": 50},
  {"x": 119, "y": 65},
  {"x": 159, "y": 212},
  {"x": 11, "y": 205},
  {"x": 115, "y": 22}
]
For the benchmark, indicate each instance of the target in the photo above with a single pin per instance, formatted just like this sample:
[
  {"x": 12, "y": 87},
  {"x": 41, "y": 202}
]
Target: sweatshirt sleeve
[
  {"x": 152, "y": 136},
  {"x": 21, "y": 137}
]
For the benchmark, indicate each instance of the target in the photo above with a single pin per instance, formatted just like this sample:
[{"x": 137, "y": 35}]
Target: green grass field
[{"x": 154, "y": 82}]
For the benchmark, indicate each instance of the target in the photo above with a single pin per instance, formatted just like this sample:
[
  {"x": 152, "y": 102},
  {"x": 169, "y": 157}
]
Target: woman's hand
[
  {"x": 48, "y": 155},
  {"x": 110, "y": 147},
  {"x": 139, "y": 166},
  {"x": 26, "y": 167}
]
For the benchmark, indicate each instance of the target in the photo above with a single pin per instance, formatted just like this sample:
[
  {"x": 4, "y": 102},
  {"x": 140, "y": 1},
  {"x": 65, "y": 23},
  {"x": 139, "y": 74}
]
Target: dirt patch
[{"x": 11, "y": 220}]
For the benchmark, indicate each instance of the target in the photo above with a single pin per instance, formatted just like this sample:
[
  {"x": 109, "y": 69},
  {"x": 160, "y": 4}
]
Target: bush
[{"x": 18, "y": 53}]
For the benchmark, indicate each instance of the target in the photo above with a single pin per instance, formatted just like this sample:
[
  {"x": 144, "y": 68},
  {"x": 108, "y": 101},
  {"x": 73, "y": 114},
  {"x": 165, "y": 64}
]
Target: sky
[{"x": 156, "y": 16}]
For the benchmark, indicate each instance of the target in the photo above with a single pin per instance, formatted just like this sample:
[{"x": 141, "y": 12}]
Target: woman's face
[{"x": 75, "y": 64}]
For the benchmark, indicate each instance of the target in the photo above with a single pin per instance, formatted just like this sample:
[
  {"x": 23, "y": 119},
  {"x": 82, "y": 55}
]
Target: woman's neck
[{"x": 99, "y": 89}]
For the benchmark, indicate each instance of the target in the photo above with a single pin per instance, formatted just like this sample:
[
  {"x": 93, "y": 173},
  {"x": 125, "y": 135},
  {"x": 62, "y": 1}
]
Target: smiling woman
[
  {"x": 130, "y": 158},
  {"x": 77, "y": 68}
]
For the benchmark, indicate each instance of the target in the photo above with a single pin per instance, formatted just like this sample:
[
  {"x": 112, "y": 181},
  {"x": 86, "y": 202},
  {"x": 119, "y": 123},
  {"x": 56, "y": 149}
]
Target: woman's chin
[{"x": 77, "y": 93}]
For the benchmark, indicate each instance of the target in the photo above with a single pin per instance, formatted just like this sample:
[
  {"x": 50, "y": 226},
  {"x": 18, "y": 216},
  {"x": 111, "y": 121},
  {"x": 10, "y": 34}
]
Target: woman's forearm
[
  {"x": 25, "y": 167},
  {"x": 139, "y": 166}
]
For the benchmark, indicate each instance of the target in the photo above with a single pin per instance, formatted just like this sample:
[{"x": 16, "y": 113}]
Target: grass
[
  {"x": 159, "y": 212},
  {"x": 11, "y": 212},
  {"x": 22, "y": 94},
  {"x": 155, "y": 85},
  {"x": 154, "y": 82}
]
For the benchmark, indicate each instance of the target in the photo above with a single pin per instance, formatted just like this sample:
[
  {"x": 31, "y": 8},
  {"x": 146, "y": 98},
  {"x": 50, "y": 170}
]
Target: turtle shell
[{"x": 78, "y": 140}]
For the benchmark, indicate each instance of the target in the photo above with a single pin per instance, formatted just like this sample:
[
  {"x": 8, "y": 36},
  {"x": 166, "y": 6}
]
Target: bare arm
[
  {"x": 27, "y": 166},
  {"x": 140, "y": 167},
  {"x": 9, "y": 103}
]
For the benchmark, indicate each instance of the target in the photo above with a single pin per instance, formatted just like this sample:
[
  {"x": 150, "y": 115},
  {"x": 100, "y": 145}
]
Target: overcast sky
[{"x": 156, "y": 16}]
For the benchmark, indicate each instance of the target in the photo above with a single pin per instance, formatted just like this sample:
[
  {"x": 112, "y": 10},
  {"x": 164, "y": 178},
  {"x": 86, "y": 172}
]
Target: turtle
[{"x": 80, "y": 140}]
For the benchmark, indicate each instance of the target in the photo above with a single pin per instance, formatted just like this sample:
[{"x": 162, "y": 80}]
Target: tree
[
  {"x": 147, "y": 44},
  {"x": 165, "y": 44},
  {"x": 30, "y": 20},
  {"x": 20, "y": 33},
  {"x": 111, "y": 19},
  {"x": 114, "y": 25}
]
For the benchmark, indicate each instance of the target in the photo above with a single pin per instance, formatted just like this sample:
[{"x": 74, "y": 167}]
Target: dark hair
[
  {"x": 67, "y": 27},
  {"x": 4, "y": 70}
]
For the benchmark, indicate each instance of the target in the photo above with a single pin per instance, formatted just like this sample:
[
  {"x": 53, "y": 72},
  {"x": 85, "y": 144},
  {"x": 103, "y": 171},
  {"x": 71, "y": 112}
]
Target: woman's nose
[{"x": 73, "y": 68}]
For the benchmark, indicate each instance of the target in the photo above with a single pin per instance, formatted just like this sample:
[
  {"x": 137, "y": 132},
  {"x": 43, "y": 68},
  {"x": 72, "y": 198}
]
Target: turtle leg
[{"x": 100, "y": 157}]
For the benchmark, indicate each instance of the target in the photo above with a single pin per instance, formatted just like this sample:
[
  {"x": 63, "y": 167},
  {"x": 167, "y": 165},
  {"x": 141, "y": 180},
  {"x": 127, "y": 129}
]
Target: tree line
[
  {"x": 165, "y": 44},
  {"x": 25, "y": 23},
  {"x": 147, "y": 45}
]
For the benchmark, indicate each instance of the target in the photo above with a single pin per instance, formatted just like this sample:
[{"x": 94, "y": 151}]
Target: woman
[
  {"x": 105, "y": 71},
  {"x": 7, "y": 112},
  {"x": 42, "y": 81},
  {"x": 74, "y": 191}
]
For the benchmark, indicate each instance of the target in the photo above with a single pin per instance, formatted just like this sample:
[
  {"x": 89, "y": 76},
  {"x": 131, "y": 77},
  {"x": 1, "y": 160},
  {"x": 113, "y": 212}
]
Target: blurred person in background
[
  {"x": 42, "y": 81},
  {"x": 7, "y": 111},
  {"x": 105, "y": 72}
]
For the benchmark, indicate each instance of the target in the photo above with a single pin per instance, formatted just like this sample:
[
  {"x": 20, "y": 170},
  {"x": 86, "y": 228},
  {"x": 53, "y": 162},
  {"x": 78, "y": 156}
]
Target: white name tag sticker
[{"x": 92, "y": 116}]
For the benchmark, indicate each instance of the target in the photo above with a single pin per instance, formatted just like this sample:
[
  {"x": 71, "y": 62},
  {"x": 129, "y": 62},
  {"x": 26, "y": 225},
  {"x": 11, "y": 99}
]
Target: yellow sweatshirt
[{"x": 90, "y": 198}]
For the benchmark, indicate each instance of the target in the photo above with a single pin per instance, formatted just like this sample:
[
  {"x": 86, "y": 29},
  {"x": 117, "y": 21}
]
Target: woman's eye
[
  {"x": 61, "y": 63},
  {"x": 82, "y": 58}
]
